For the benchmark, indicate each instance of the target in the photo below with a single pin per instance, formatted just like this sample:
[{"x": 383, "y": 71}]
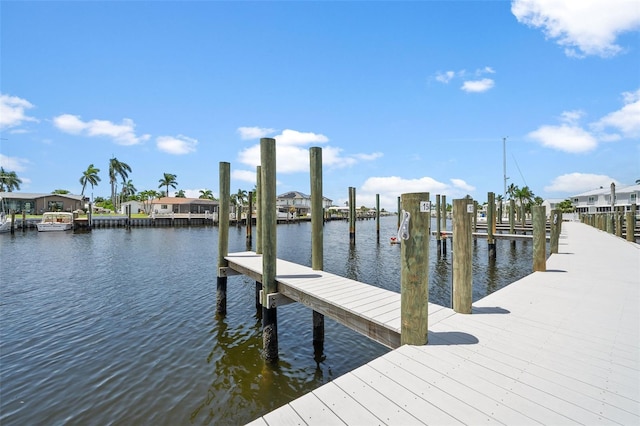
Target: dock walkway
[
  {"x": 369, "y": 310},
  {"x": 556, "y": 347}
]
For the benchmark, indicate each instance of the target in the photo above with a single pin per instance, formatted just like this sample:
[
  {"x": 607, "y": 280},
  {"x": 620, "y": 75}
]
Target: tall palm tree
[
  {"x": 168, "y": 180},
  {"x": 511, "y": 190},
  {"x": 9, "y": 181},
  {"x": 206, "y": 194},
  {"x": 240, "y": 198},
  {"x": 117, "y": 169},
  {"x": 89, "y": 176},
  {"x": 146, "y": 197},
  {"x": 128, "y": 190},
  {"x": 525, "y": 197}
]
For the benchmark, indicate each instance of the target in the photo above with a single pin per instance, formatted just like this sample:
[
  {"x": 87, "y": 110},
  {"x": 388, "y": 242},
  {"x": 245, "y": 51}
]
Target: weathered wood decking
[
  {"x": 557, "y": 347},
  {"x": 369, "y": 310}
]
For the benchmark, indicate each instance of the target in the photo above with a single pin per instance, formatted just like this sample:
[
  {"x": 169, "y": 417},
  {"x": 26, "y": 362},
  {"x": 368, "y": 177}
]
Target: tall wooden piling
[
  {"x": 269, "y": 248},
  {"x": 249, "y": 220},
  {"x": 539, "y": 219},
  {"x": 223, "y": 237},
  {"x": 414, "y": 269},
  {"x": 491, "y": 224},
  {"x": 378, "y": 218},
  {"x": 443, "y": 199},
  {"x": 555, "y": 220},
  {"x": 630, "y": 226},
  {"x": 399, "y": 210},
  {"x": 12, "y": 228},
  {"x": 352, "y": 215},
  {"x": 462, "y": 256},
  {"x": 618, "y": 226},
  {"x": 258, "y": 236},
  {"x": 317, "y": 242},
  {"x": 438, "y": 229},
  {"x": 475, "y": 216},
  {"x": 512, "y": 216}
]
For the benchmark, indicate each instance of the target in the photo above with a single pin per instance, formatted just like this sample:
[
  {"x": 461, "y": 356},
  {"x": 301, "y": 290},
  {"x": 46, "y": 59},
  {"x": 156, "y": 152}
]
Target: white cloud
[
  {"x": 176, "y": 145},
  {"x": 582, "y": 27},
  {"x": 12, "y": 111},
  {"x": 391, "y": 187},
  {"x": 13, "y": 164},
  {"x": 576, "y": 183},
  {"x": 626, "y": 120},
  {"x": 571, "y": 137},
  {"x": 445, "y": 77},
  {"x": 461, "y": 184},
  {"x": 254, "y": 132},
  {"x": 565, "y": 137},
  {"x": 477, "y": 86},
  {"x": 292, "y": 153},
  {"x": 244, "y": 175},
  {"x": 122, "y": 134}
]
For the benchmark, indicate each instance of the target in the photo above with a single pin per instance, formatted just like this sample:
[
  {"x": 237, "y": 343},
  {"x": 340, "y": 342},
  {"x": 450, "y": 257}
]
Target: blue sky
[{"x": 401, "y": 96}]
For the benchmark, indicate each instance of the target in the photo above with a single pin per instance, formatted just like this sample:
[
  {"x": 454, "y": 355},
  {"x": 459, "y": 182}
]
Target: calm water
[{"x": 118, "y": 327}]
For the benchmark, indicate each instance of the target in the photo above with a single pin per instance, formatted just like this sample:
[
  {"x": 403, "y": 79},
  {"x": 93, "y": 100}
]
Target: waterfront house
[
  {"x": 38, "y": 203},
  {"x": 184, "y": 207},
  {"x": 599, "y": 200},
  {"x": 298, "y": 204}
]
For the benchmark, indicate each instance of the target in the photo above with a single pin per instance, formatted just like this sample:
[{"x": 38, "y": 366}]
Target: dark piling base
[
  {"x": 221, "y": 297},
  {"x": 270, "y": 334},
  {"x": 258, "y": 303},
  {"x": 492, "y": 250},
  {"x": 318, "y": 337}
]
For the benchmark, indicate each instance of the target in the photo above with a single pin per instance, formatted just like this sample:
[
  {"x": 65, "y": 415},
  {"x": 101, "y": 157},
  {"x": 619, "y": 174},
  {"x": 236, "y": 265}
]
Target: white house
[
  {"x": 599, "y": 200},
  {"x": 298, "y": 204}
]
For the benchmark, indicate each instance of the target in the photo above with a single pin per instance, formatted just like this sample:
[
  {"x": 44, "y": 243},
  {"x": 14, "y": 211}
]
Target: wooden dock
[
  {"x": 369, "y": 310},
  {"x": 556, "y": 347}
]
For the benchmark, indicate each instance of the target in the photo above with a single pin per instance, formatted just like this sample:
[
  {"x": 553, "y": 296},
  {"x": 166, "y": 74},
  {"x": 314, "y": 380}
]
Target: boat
[
  {"x": 5, "y": 223},
  {"x": 56, "y": 221}
]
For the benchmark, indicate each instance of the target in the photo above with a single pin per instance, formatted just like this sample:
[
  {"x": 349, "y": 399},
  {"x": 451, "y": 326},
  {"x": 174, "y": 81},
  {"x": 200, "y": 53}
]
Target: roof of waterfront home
[
  {"x": 34, "y": 195},
  {"x": 607, "y": 190},
  {"x": 182, "y": 200}
]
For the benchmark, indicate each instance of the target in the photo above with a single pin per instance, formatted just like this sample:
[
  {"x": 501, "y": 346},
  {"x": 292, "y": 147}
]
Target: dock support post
[
  {"x": 249, "y": 221},
  {"x": 438, "y": 229},
  {"x": 399, "y": 210},
  {"x": 258, "y": 237},
  {"x": 629, "y": 223},
  {"x": 13, "y": 221},
  {"x": 462, "y": 256},
  {"x": 223, "y": 237},
  {"x": 556, "y": 220},
  {"x": 317, "y": 243},
  {"x": 475, "y": 216},
  {"x": 618, "y": 215},
  {"x": 269, "y": 248},
  {"x": 378, "y": 218},
  {"x": 491, "y": 224},
  {"x": 414, "y": 269},
  {"x": 539, "y": 219},
  {"x": 352, "y": 215},
  {"x": 443, "y": 198}
]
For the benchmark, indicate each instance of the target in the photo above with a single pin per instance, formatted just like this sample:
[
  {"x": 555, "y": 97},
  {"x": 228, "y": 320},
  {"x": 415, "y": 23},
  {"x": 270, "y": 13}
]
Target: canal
[{"x": 118, "y": 326}]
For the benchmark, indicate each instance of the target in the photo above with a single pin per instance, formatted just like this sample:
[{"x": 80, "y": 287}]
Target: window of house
[{"x": 163, "y": 206}]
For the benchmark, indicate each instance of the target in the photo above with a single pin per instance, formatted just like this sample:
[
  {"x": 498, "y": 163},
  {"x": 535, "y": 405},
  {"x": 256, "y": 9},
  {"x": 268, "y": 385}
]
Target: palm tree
[
  {"x": 511, "y": 190},
  {"x": 146, "y": 197},
  {"x": 181, "y": 194},
  {"x": 9, "y": 181},
  {"x": 89, "y": 176},
  {"x": 168, "y": 180},
  {"x": 128, "y": 190},
  {"x": 525, "y": 197},
  {"x": 117, "y": 168},
  {"x": 206, "y": 194},
  {"x": 240, "y": 198}
]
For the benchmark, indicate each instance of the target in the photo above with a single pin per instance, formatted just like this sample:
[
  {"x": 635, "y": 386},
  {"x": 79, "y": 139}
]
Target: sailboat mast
[{"x": 504, "y": 165}]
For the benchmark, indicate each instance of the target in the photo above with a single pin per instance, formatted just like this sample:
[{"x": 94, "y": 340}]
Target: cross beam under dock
[{"x": 371, "y": 311}]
